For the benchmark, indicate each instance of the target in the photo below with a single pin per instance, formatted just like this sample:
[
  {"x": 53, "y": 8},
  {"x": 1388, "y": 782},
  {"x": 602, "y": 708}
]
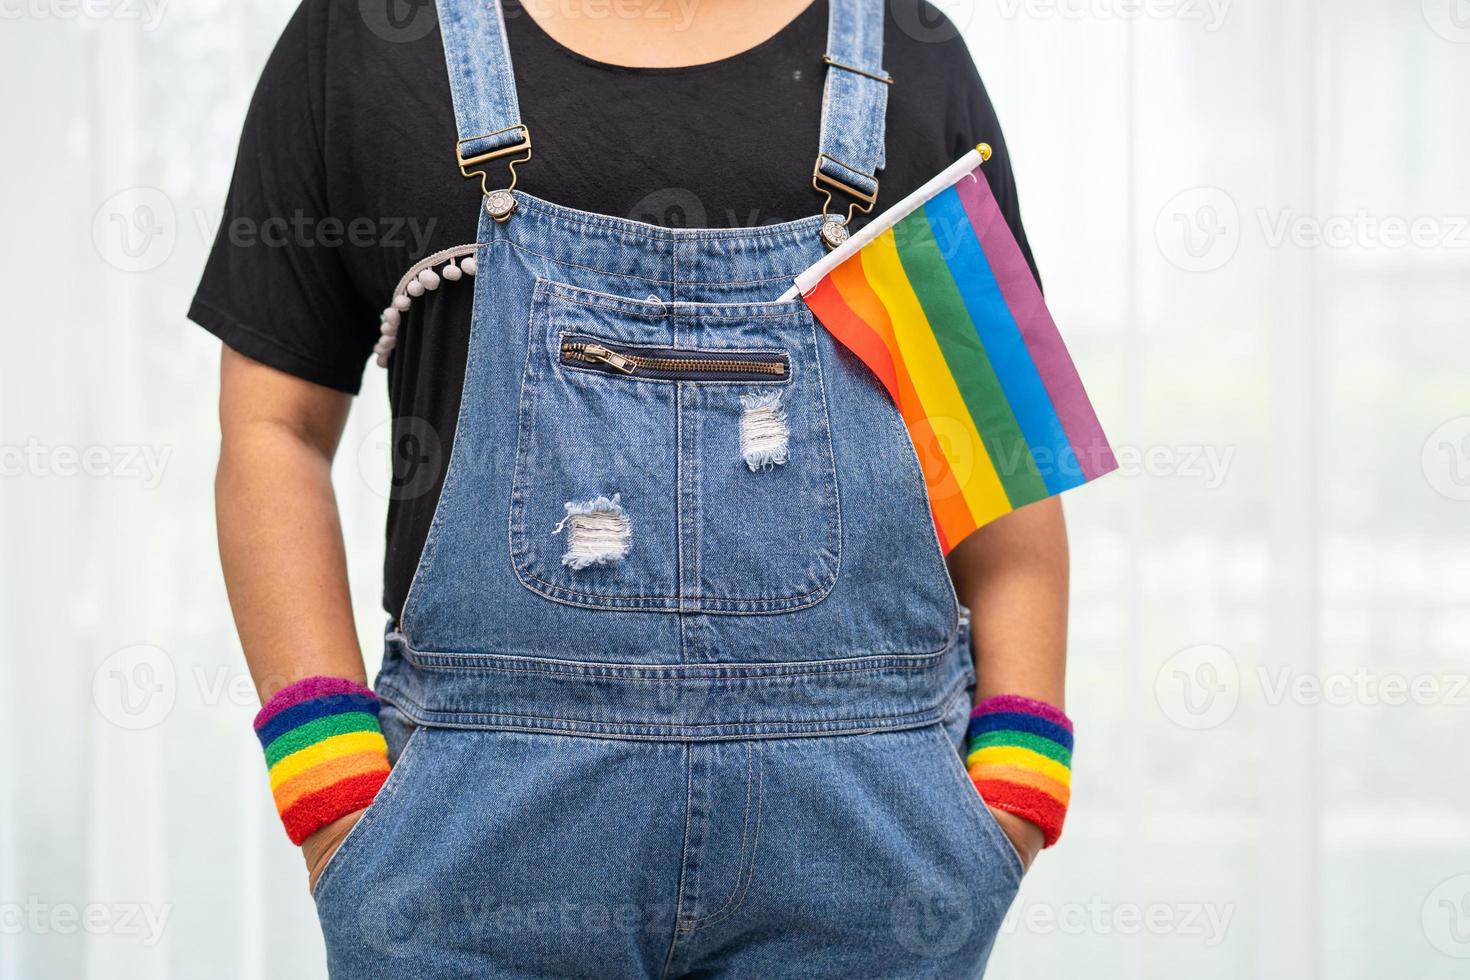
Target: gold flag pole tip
[{"x": 984, "y": 150}]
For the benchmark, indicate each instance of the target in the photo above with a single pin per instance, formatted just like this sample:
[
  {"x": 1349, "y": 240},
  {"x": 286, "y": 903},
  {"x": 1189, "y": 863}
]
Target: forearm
[
  {"x": 280, "y": 537},
  {"x": 1013, "y": 575}
]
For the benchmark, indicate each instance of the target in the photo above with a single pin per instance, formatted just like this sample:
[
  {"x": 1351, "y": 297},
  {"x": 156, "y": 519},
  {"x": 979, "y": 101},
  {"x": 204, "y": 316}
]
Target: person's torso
[{"x": 724, "y": 145}]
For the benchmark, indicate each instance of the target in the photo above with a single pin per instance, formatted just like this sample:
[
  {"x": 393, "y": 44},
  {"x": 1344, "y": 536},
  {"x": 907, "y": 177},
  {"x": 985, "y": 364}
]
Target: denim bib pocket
[{"x": 673, "y": 456}]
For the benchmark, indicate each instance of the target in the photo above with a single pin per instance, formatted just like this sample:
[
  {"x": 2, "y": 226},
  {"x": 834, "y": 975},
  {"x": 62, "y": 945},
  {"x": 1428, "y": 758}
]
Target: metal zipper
[{"x": 627, "y": 362}]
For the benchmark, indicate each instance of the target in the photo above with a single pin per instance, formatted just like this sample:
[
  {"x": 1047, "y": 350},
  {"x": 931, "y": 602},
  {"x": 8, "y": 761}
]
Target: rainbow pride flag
[{"x": 937, "y": 299}]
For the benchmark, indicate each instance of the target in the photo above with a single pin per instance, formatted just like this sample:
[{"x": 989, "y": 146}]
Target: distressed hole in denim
[
  {"x": 599, "y": 532},
  {"x": 763, "y": 432}
]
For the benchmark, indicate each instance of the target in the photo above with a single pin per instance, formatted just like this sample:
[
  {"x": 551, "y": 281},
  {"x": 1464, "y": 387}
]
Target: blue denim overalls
[{"x": 680, "y": 690}]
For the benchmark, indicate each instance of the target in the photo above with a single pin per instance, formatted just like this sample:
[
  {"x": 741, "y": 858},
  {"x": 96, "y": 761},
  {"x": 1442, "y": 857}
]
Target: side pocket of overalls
[
  {"x": 951, "y": 734},
  {"x": 401, "y": 734}
]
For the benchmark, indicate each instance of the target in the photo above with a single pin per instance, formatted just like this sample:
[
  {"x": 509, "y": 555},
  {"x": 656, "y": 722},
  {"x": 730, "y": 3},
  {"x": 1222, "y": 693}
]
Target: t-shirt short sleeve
[
  {"x": 974, "y": 113},
  {"x": 275, "y": 287}
]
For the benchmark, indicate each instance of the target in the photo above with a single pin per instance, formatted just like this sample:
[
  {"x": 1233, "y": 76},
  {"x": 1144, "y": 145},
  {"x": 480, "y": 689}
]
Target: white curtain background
[{"x": 1252, "y": 220}]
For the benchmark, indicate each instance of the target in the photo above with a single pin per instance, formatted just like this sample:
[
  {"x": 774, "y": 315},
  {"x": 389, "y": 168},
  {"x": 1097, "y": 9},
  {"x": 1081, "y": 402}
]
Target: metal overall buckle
[
  {"x": 834, "y": 229},
  {"x": 499, "y": 203}
]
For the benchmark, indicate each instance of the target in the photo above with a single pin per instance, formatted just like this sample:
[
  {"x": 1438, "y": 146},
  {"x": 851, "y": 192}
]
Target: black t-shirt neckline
[{"x": 796, "y": 25}]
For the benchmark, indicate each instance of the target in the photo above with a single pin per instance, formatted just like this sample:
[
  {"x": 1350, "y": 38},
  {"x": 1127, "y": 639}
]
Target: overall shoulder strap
[
  {"x": 854, "y": 111},
  {"x": 483, "y": 86}
]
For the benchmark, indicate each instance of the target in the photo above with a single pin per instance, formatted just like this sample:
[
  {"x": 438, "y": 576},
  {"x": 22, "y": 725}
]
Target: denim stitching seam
[
  {"x": 683, "y": 857},
  {"x": 451, "y": 478},
  {"x": 564, "y": 263},
  {"x": 745, "y": 874}
]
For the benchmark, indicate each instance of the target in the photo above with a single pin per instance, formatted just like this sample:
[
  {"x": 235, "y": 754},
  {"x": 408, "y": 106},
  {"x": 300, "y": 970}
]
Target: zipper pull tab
[{"x": 599, "y": 353}]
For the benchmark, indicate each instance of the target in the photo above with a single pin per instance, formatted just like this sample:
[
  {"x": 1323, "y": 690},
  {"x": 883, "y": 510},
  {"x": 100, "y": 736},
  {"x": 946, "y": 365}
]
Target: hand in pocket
[
  {"x": 320, "y": 846},
  {"x": 1025, "y": 836}
]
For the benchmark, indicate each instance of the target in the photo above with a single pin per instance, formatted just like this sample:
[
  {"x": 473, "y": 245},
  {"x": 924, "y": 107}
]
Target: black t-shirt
[{"x": 346, "y": 176}]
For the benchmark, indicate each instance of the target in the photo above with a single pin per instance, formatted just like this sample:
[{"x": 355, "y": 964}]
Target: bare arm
[
  {"x": 280, "y": 537},
  {"x": 1013, "y": 575}
]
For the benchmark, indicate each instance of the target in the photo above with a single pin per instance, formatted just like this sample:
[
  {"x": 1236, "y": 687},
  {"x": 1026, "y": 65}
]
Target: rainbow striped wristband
[
  {"x": 1020, "y": 760},
  {"x": 325, "y": 751}
]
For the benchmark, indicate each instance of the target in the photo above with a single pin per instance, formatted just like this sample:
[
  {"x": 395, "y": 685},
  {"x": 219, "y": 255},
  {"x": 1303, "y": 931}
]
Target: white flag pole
[{"x": 949, "y": 175}]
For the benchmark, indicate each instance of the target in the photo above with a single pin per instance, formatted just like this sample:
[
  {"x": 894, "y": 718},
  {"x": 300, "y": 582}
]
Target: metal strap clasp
[
  {"x": 834, "y": 229},
  {"x": 832, "y": 62},
  {"x": 500, "y": 203}
]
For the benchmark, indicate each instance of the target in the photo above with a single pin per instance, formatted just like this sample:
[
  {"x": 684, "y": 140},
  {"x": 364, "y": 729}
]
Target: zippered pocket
[
  {"x": 647, "y": 414},
  {"x": 673, "y": 363}
]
